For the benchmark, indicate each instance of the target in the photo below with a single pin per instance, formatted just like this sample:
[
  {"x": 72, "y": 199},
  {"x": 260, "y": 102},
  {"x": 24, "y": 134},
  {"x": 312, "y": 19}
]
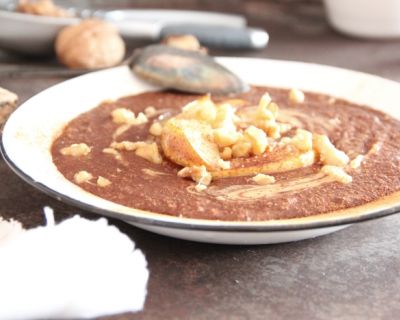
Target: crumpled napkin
[{"x": 76, "y": 269}]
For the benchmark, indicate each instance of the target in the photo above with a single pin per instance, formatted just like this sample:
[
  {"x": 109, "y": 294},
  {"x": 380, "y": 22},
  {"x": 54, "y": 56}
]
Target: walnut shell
[{"x": 90, "y": 44}]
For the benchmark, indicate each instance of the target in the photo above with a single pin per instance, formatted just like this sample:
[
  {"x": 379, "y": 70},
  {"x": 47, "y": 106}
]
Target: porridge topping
[
  {"x": 356, "y": 162},
  {"x": 76, "y": 150},
  {"x": 82, "y": 177},
  {"x": 156, "y": 129},
  {"x": 337, "y": 173},
  {"x": 125, "y": 116},
  {"x": 150, "y": 111},
  {"x": 103, "y": 182},
  {"x": 296, "y": 96},
  {"x": 199, "y": 174},
  {"x": 206, "y": 133},
  {"x": 263, "y": 179}
]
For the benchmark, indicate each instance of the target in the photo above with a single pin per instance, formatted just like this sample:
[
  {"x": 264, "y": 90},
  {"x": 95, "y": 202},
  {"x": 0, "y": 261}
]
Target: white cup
[{"x": 365, "y": 18}]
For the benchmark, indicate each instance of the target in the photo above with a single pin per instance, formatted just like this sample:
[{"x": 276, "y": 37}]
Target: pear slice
[
  {"x": 189, "y": 143},
  {"x": 276, "y": 161}
]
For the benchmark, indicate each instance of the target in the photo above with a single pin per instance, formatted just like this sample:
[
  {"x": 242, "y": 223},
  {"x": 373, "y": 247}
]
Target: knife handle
[{"x": 220, "y": 36}]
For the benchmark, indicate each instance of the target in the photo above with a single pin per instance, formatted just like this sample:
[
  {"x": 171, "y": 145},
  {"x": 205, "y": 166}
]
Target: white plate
[{"x": 29, "y": 132}]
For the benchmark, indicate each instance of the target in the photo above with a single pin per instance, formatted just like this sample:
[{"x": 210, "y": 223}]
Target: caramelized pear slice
[
  {"x": 271, "y": 162},
  {"x": 189, "y": 143}
]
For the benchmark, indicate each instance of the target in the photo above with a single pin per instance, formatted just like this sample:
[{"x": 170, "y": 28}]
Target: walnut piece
[
  {"x": 328, "y": 153},
  {"x": 82, "y": 177},
  {"x": 296, "y": 96},
  {"x": 122, "y": 116},
  {"x": 127, "y": 145},
  {"x": 90, "y": 44},
  {"x": 303, "y": 140},
  {"x": 263, "y": 179},
  {"x": 127, "y": 118},
  {"x": 356, "y": 162},
  {"x": 156, "y": 129},
  {"x": 150, "y": 152},
  {"x": 258, "y": 139},
  {"x": 337, "y": 173},
  {"x": 198, "y": 174},
  {"x": 226, "y": 153},
  {"x": 76, "y": 150},
  {"x": 150, "y": 111},
  {"x": 103, "y": 182},
  {"x": 113, "y": 152},
  {"x": 241, "y": 149}
]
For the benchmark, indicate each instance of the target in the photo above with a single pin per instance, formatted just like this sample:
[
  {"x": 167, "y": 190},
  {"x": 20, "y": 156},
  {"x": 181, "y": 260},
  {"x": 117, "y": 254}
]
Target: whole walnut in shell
[{"x": 90, "y": 44}]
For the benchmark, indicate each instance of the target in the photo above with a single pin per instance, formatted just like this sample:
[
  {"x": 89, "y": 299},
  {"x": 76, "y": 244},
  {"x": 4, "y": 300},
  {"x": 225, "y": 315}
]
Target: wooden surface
[{"x": 352, "y": 274}]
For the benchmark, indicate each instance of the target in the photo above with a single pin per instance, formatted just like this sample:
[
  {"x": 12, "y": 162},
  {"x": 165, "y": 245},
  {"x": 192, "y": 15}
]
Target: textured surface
[{"x": 352, "y": 274}]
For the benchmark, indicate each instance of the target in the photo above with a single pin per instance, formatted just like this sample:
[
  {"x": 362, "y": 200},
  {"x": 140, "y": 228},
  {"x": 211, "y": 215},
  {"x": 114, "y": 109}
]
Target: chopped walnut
[
  {"x": 224, "y": 165},
  {"x": 200, "y": 187},
  {"x": 296, "y": 96},
  {"x": 76, "y": 150},
  {"x": 241, "y": 149},
  {"x": 198, "y": 174},
  {"x": 127, "y": 145},
  {"x": 202, "y": 109},
  {"x": 356, "y": 162},
  {"x": 140, "y": 119},
  {"x": 273, "y": 129},
  {"x": 113, "y": 152},
  {"x": 303, "y": 140},
  {"x": 156, "y": 129},
  {"x": 263, "y": 111},
  {"x": 328, "y": 153},
  {"x": 82, "y": 176},
  {"x": 225, "y": 138},
  {"x": 265, "y": 100},
  {"x": 284, "y": 127},
  {"x": 226, "y": 153},
  {"x": 225, "y": 117},
  {"x": 337, "y": 173},
  {"x": 150, "y": 152},
  {"x": 103, "y": 182},
  {"x": 258, "y": 139},
  {"x": 150, "y": 111},
  {"x": 122, "y": 116},
  {"x": 127, "y": 117},
  {"x": 263, "y": 179},
  {"x": 121, "y": 129},
  {"x": 375, "y": 148}
]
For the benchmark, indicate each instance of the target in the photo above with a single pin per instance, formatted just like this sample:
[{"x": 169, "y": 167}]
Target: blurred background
[{"x": 298, "y": 29}]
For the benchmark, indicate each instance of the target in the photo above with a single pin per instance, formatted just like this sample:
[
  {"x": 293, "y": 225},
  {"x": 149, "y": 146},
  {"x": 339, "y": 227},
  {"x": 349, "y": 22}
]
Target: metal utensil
[{"x": 31, "y": 34}]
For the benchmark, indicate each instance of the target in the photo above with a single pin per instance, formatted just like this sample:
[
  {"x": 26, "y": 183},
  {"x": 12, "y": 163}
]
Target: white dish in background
[
  {"x": 35, "y": 35},
  {"x": 29, "y": 132},
  {"x": 365, "y": 18},
  {"x": 30, "y": 34}
]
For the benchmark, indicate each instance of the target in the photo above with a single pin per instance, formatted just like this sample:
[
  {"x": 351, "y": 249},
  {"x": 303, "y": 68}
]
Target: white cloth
[{"x": 76, "y": 269}]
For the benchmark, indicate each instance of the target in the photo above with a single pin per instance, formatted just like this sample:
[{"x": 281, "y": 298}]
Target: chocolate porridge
[{"x": 284, "y": 179}]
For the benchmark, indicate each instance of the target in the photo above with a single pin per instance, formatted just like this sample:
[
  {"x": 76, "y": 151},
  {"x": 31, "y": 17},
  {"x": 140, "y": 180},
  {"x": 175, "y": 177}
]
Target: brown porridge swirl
[{"x": 133, "y": 181}]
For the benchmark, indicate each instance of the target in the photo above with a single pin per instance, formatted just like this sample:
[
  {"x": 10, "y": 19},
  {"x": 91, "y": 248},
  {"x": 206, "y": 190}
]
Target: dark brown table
[{"x": 351, "y": 274}]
